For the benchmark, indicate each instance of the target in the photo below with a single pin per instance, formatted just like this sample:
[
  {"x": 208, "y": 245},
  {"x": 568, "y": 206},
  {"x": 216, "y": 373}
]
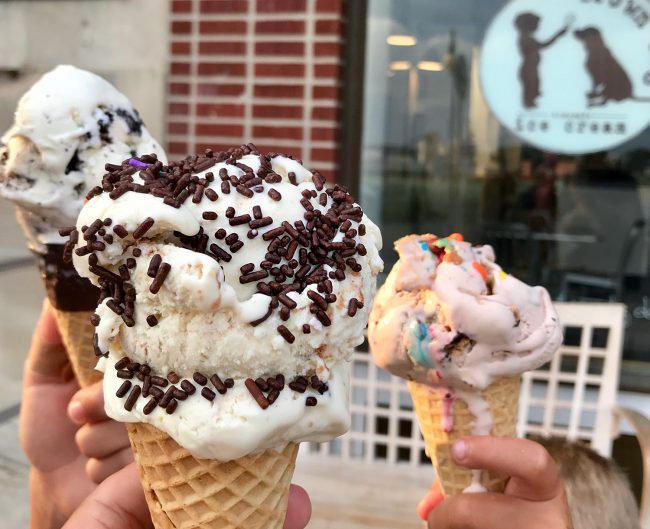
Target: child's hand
[
  {"x": 102, "y": 440},
  {"x": 534, "y": 497}
]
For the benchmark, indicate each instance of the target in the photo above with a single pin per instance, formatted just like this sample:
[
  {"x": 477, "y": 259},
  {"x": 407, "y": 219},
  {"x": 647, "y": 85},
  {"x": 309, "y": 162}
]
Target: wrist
[{"x": 44, "y": 511}]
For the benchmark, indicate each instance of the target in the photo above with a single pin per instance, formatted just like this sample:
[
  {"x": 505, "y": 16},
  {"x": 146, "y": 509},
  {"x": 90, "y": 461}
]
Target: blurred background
[{"x": 382, "y": 96}]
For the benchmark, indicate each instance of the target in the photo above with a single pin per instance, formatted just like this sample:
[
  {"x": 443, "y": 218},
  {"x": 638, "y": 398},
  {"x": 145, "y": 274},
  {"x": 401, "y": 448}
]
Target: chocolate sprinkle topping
[
  {"x": 207, "y": 393},
  {"x": 123, "y": 389},
  {"x": 257, "y": 394},
  {"x": 286, "y": 334},
  {"x": 143, "y": 228},
  {"x": 132, "y": 398},
  {"x": 200, "y": 378}
]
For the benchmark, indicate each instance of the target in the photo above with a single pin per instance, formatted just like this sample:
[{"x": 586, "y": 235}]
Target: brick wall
[{"x": 266, "y": 71}]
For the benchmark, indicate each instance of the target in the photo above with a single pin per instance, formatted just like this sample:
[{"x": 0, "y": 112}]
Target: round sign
[{"x": 571, "y": 76}]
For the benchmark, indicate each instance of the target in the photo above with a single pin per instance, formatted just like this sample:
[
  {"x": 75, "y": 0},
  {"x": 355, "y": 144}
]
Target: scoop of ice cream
[
  {"x": 231, "y": 264},
  {"x": 449, "y": 317},
  {"x": 66, "y": 128}
]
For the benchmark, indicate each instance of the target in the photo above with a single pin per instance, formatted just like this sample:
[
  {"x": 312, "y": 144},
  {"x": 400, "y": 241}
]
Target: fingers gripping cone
[
  {"x": 184, "y": 492},
  {"x": 502, "y": 397},
  {"x": 77, "y": 334}
]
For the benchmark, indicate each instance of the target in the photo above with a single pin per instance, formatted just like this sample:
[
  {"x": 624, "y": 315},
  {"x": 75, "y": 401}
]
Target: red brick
[
  {"x": 280, "y": 26},
  {"x": 277, "y": 111},
  {"x": 220, "y": 110},
  {"x": 279, "y": 91},
  {"x": 271, "y": 147},
  {"x": 279, "y": 48},
  {"x": 329, "y": 6},
  {"x": 175, "y": 147},
  {"x": 180, "y": 48},
  {"x": 325, "y": 92},
  {"x": 332, "y": 71},
  {"x": 222, "y": 48},
  {"x": 324, "y": 134},
  {"x": 178, "y": 109},
  {"x": 222, "y": 68},
  {"x": 181, "y": 6},
  {"x": 220, "y": 89},
  {"x": 224, "y": 6},
  {"x": 274, "y": 6},
  {"x": 280, "y": 70},
  {"x": 179, "y": 68},
  {"x": 219, "y": 26},
  {"x": 289, "y": 133},
  {"x": 324, "y": 155},
  {"x": 201, "y": 147},
  {"x": 181, "y": 27},
  {"x": 177, "y": 128},
  {"x": 329, "y": 27},
  {"x": 325, "y": 113},
  {"x": 219, "y": 129},
  {"x": 332, "y": 49},
  {"x": 179, "y": 89}
]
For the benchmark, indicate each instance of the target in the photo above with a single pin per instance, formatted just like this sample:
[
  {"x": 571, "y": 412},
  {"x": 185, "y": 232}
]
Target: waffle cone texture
[
  {"x": 502, "y": 397},
  {"x": 77, "y": 334},
  {"x": 184, "y": 492}
]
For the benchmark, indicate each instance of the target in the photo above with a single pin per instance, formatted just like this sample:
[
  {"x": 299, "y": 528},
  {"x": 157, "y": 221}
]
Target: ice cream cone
[
  {"x": 184, "y": 492},
  {"x": 77, "y": 334},
  {"x": 73, "y": 299},
  {"x": 502, "y": 397}
]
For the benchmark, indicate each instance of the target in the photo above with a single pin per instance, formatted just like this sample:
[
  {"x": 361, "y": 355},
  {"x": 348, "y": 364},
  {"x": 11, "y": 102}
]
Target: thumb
[
  {"x": 118, "y": 503},
  {"x": 87, "y": 405}
]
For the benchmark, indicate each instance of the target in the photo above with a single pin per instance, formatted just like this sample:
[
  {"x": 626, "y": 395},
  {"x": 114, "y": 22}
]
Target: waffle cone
[
  {"x": 77, "y": 334},
  {"x": 184, "y": 492},
  {"x": 502, "y": 397}
]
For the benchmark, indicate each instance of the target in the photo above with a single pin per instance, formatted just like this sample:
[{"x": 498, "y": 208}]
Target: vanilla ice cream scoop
[
  {"x": 66, "y": 127},
  {"x": 234, "y": 289},
  {"x": 450, "y": 318}
]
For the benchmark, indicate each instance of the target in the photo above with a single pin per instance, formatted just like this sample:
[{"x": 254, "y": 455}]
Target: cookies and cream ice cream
[
  {"x": 450, "y": 318},
  {"x": 234, "y": 287},
  {"x": 66, "y": 127}
]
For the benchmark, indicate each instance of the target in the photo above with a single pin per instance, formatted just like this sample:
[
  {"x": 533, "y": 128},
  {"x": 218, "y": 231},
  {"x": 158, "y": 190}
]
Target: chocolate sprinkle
[
  {"x": 171, "y": 407},
  {"x": 188, "y": 387},
  {"x": 143, "y": 228},
  {"x": 211, "y": 194},
  {"x": 207, "y": 393},
  {"x": 123, "y": 389},
  {"x": 122, "y": 363},
  {"x": 150, "y": 406},
  {"x": 286, "y": 334},
  {"x": 160, "y": 278},
  {"x": 311, "y": 401},
  {"x": 200, "y": 378},
  {"x": 132, "y": 398},
  {"x": 259, "y": 397},
  {"x": 154, "y": 264},
  {"x": 218, "y": 383},
  {"x": 152, "y": 320}
]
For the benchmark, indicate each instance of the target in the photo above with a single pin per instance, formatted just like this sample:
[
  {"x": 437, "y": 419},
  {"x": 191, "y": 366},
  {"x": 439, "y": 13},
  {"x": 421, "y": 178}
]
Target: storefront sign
[{"x": 571, "y": 76}]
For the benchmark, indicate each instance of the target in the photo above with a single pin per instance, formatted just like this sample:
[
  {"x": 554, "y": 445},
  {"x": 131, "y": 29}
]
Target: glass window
[{"x": 435, "y": 159}]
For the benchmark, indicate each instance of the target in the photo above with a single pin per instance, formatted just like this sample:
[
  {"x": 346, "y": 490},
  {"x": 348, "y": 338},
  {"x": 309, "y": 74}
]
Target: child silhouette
[{"x": 529, "y": 47}]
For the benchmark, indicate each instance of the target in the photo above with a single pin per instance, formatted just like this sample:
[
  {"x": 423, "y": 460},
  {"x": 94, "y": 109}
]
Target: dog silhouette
[{"x": 610, "y": 82}]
